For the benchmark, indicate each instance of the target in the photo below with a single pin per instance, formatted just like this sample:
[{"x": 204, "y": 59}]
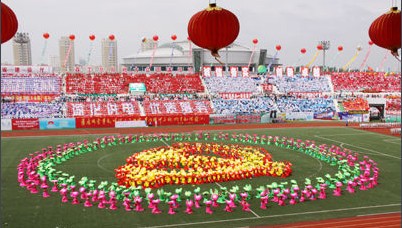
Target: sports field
[{"x": 20, "y": 208}]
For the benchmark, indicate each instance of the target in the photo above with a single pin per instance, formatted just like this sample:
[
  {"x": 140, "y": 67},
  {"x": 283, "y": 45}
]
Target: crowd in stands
[
  {"x": 230, "y": 84},
  {"x": 119, "y": 83},
  {"x": 353, "y": 104},
  {"x": 316, "y": 105},
  {"x": 366, "y": 82},
  {"x": 256, "y": 105},
  {"x": 393, "y": 104},
  {"x": 301, "y": 84},
  {"x": 32, "y": 110},
  {"x": 168, "y": 94}
]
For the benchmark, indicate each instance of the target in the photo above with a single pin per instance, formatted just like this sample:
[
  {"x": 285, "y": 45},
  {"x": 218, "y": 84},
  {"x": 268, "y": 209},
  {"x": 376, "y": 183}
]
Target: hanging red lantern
[
  {"x": 303, "y": 51},
  {"x": 111, "y": 37},
  {"x": 174, "y": 37},
  {"x": 72, "y": 37},
  {"x": 319, "y": 47},
  {"x": 340, "y": 48},
  {"x": 92, "y": 37},
  {"x": 46, "y": 35},
  {"x": 255, "y": 41},
  {"x": 155, "y": 38},
  {"x": 9, "y": 23},
  {"x": 278, "y": 47},
  {"x": 385, "y": 31},
  {"x": 213, "y": 28}
]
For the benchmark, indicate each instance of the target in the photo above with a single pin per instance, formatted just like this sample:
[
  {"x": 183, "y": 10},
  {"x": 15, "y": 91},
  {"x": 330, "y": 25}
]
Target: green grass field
[{"x": 19, "y": 208}]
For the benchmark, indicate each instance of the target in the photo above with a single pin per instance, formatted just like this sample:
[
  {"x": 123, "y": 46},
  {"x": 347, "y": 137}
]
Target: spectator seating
[
  {"x": 230, "y": 84},
  {"x": 119, "y": 83},
  {"x": 316, "y": 105},
  {"x": 355, "y": 104},
  {"x": 31, "y": 110},
  {"x": 256, "y": 105},
  {"x": 300, "y": 84},
  {"x": 30, "y": 85},
  {"x": 366, "y": 82}
]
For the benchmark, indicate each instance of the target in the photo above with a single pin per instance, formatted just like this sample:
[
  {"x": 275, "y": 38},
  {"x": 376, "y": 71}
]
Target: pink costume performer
[
  {"x": 264, "y": 200},
  {"x": 197, "y": 199},
  {"x": 228, "y": 207},
  {"x": 208, "y": 205},
  {"x": 338, "y": 190},
  {"x": 245, "y": 205},
  {"x": 214, "y": 198},
  {"x": 189, "y": 207},
  {"x": 155, "y": 209},
  {"x": 171, "y": 204},
  {"x": 138, "y": 204},
  {"x": 323, "y": 194}
]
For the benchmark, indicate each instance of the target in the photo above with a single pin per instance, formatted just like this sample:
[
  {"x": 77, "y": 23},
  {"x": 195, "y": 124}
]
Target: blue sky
[{"x": 293, "y": 24}]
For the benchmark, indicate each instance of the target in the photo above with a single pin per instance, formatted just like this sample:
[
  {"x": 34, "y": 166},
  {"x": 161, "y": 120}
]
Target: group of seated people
[
  {"x": 393, "y": 104},
  {"x": 301, "y": 84},
  {"x": 256, "y": 105},
  {"x": 119, "y": 83},
  {"x": 32, "y": 110},
  {"x": 366, "y": 81},
  {"x": 316, "y": 105},
  {"x": 230, "y": 84},
  {"x": 357, "y": 103}
]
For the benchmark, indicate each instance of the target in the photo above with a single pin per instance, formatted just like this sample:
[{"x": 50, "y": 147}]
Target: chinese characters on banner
[
  {"x": 290, "y": 71},
  {"x": 244, "y": 71},
  {"x": 206, "y": 71},
  {"x": 100, "y": 109},
  {"x": 233, "y": 71},
  {"x": 279, "y": 71},
  {"x": 316, "y": 71},
  {"x": 304, "y": 71},
  {"x": 174, "y": 107},
  {"x": 218, "y": 71}
]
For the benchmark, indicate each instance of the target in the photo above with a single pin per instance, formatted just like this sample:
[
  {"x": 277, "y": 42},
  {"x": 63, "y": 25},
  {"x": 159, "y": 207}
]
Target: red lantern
[
  {"x": 370, "y": 43},
  {"x": 111, "y": 37},
  {"x": 9, "y": 23},
  {"x": 213, "y": 28},
  {"x": 255, "y": 41},
  {"x": 72, "y": 37},
  {"x": 340, "y": 48},
  {"x": 278, "y": 47},
  {"x": 319, "y": 47},
  {"x": 155, "y": 38},
  {"x": 46, "y": 35},
  {"x": 174, "y": 37},
  {"x": 92, "y": 37},
  {"x": 303, "y": 50},
  {"x": 385, "y": 31}
]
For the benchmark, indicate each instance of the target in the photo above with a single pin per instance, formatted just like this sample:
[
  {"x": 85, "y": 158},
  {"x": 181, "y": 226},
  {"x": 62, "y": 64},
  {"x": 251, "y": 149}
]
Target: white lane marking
[
  {"x": 351, "y": 145},
  {"x": 279, "y": 215},
  {"x": 100, "y": 166}
]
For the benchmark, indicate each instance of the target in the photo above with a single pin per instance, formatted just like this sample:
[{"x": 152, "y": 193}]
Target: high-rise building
[
  {"x": 67, "y": 54},
  {"x": 22, "y": 49},
  {"x": 109, "y": 54}
]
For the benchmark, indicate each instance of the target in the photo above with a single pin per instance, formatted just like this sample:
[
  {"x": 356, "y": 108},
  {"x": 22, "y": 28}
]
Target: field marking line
[
  {"x": 193, "y": 131},
  {"x": 279, "y": 215},
  {"x": 374, "y": 133},
  {"x": 354, "y": 221},
  {"x": 319, "y": 170},
  {"x": 101, "y": 167},
  {"x": 386, "y": 155},
  {"x": 398, "y": 141},
  {"x": 384, "y": 213},
  {"x": 367, "y": 133}
]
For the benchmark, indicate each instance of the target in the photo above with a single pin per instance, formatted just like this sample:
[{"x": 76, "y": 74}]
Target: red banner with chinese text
[
  {"x": 29, "y": 98},
  {"x": 164, "y": 120},
  {"x": 25, "y": 124},
  {"x": 102, "y": 122}
]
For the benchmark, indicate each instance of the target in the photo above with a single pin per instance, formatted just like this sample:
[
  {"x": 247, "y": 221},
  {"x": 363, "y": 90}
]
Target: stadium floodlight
[{"x": 325, "y": 46}]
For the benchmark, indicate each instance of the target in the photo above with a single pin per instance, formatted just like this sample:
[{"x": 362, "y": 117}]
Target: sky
[{"x": 293, "y": 24}]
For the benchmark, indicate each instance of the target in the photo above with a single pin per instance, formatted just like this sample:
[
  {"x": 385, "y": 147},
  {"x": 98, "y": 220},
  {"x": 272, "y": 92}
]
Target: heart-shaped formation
[{"x": 198, "y": 163}]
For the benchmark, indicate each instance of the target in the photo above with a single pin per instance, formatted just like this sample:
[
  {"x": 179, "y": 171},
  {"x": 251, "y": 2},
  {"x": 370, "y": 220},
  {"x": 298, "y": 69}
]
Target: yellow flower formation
[{"x": 198, "y": 163}]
